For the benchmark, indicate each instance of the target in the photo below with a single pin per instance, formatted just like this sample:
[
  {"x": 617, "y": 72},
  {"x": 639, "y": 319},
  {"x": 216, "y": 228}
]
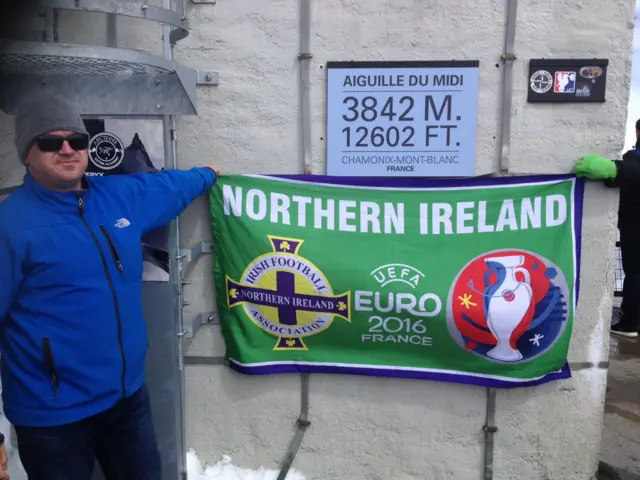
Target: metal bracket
[
  {"x": 207, "y": 78},
  {"x": 204, "y": 318},
  {"x": 194, "y": 253},
  {"x": 212, "y": 2}
]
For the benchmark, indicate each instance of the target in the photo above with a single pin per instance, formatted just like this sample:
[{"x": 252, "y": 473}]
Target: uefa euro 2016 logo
[
  {"x": 508, "y": 306},
  {"x": 287, "y": 296}
]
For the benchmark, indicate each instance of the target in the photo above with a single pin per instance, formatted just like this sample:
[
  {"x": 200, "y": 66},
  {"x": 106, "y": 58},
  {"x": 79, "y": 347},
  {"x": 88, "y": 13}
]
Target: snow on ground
[
  {"x": 225, "y": 470},
  {"x": 15, "y": 468}
]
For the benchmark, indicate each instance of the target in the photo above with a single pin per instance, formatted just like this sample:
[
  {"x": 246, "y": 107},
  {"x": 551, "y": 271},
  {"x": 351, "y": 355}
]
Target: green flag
[{"x": 470, "y": 281}]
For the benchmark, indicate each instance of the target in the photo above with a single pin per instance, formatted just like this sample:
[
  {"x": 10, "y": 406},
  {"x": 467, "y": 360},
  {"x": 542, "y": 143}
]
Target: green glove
[{"x": 595, "y": 167}]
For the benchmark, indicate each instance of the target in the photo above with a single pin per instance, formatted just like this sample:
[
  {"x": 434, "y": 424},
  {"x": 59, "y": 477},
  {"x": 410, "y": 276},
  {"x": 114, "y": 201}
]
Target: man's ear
[{"x": 26, "y": 160}]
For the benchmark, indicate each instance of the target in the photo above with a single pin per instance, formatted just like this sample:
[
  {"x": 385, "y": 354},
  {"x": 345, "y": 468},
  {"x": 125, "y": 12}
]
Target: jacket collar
[{"x": 53, "y": 197}]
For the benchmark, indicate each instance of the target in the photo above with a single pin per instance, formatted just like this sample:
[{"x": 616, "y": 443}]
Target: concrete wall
[
  {"x": 368, "y": 428},
  {"x": 365, "y": 428}
]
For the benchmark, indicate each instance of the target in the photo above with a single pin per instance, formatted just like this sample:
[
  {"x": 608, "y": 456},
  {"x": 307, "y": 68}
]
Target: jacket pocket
[
  {"x": 50, "y": 365},
  {"x": 114, "y": 251}
]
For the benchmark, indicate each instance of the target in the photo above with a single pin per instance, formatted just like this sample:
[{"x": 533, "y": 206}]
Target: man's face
[{"x": 58, "y": 160}]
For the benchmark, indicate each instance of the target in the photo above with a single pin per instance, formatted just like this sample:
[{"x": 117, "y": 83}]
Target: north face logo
[{"x": 122, "y": 223}]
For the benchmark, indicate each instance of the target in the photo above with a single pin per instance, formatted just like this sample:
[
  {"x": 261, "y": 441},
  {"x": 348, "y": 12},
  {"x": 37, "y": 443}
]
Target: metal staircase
[{"x": 101, "y": 80}]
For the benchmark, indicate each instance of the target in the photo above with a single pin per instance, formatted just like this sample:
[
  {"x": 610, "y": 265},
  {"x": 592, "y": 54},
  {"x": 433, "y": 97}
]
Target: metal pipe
[
  {"x": 304, "y": 55},
  {"x": 112, "y": 30},
  {"x": 175, "y": 274},
  {"x": 175, "y": 263},
  {"x": 490, "y": 430},
  {"x": 56, "y": 23},
  {"x": 508, "y": 57},
  {"x": 166, "y": 36},
  {"x": 303, "y": 424},
  {"x": 203, "y": 360},
  {"x": 49, "y": 25}
]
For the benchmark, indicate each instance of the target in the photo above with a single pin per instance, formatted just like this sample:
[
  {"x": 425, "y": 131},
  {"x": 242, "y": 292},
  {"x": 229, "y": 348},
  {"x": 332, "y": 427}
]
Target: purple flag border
[
  {"x": 480, "y": 380},
  {"x": 483, "y": 380}
]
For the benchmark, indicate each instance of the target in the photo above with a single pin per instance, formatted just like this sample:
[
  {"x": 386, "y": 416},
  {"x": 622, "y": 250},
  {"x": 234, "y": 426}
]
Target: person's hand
[
  {"x": 4, "y": 459},
  {"x": 595, "y": 167},
  {"x": 216, "y": 170}
]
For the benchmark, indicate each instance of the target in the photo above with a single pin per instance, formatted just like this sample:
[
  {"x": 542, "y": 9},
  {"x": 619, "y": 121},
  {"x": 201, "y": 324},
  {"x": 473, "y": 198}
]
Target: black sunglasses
[{"x": 53, "y": 143}]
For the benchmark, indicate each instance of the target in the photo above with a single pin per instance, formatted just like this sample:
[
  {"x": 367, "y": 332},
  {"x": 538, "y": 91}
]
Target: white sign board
[{"x": 402, "y": 119}]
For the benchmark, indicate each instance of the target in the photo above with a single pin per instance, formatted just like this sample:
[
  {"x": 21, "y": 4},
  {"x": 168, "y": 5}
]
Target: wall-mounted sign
[
  {"x": 402, "y": 119},
  {"x": 563, "y": 81}
]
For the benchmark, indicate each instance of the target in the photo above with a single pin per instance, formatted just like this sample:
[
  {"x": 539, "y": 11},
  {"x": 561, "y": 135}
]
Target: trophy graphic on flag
[{"x": 507, "y": 304}]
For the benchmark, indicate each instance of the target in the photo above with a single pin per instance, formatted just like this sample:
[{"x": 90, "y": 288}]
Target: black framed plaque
[{"x": 567, "y": 80}]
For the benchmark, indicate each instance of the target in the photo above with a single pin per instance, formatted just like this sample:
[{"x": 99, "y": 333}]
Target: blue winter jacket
[{"x": 73, "y": 339}]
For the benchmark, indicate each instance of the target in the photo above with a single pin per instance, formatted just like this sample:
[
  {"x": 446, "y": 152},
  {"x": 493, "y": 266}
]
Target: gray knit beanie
[{"x": 43, "y": 113}]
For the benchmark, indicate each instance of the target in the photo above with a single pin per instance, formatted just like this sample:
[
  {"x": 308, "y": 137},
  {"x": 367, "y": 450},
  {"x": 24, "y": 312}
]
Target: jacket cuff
[{"x": 208, "y": 175}]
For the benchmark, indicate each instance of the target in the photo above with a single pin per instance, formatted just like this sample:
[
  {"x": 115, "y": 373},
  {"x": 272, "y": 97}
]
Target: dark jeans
[
  {"x": 122, "y": 439},
  {"x": 630, "y": 250}
]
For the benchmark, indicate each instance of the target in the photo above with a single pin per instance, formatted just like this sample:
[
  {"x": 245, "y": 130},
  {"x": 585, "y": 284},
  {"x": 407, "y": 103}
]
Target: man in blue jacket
[{"x": 73, "y": 339}]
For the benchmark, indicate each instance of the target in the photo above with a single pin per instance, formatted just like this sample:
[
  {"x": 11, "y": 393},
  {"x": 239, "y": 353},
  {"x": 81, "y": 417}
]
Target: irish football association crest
[
  {"x": 508, "y": 306},
  {"x": 287, "y": 296}
]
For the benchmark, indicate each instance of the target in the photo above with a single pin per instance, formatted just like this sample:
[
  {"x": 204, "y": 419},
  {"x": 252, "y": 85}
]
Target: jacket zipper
[
  {"x": 105, "y": 266},
  {"x": 50, "y": 364},
  {"x": 112, "y": 248}
]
